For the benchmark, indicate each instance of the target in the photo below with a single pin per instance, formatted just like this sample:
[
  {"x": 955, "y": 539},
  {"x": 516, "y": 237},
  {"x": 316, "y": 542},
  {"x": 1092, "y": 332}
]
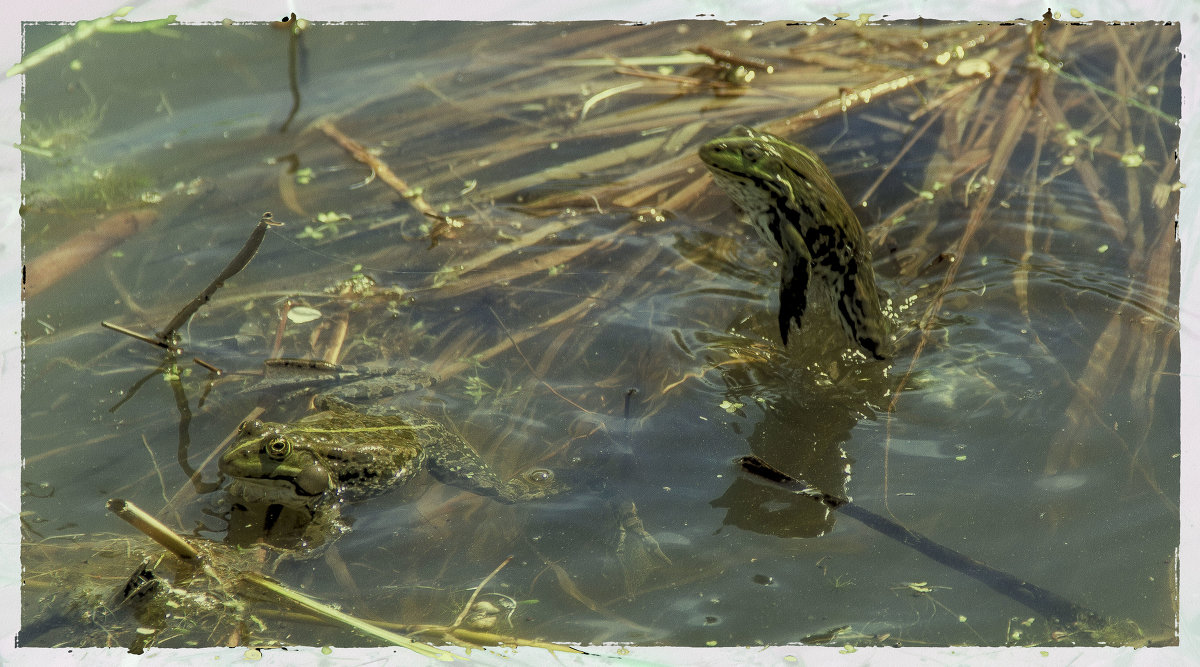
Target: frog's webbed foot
[{"x": 637, "y": 552}]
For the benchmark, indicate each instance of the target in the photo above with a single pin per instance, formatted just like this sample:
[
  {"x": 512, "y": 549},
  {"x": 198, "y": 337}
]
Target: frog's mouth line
[{"x": 271, "y": 490}]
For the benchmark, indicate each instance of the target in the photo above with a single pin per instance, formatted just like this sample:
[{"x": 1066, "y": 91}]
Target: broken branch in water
[
  {"x": 140, "y": 336},
  {"x": 165, "y": 338},
  {"x": 331, "y": 614},
  {"x": 153, "y": 528},
  {"x": 293, "y": 26},
  {"x": 239, "y": 262},
  {"x": 84, "y": 30},
  {"x": 475, "y": 593},
  {"x": 723, "y": 56},
  {"x": 52, "y": 266},
  {"x": 385, "y": 173}
]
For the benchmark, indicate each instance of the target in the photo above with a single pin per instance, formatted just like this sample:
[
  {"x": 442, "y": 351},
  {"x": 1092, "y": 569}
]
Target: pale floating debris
[
  {"x": 332, "y": 216},
  {"x": 302, "y": 314},
  {"x": 731, "y": 407},
  {"x": 605, "y": 94},
  {"x": 1134, "y": 158},
  {"x": 973, "y": 67},
  {"x": 1061, "y": 482}
]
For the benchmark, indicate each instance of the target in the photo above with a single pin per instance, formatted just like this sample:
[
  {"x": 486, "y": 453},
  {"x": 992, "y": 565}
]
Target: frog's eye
[
  {"x": 752, "y": 153},
  {"x": 278, "y": 448},
  {"x": 250, "y": 427},
  {"x": 539, "y": 476}
]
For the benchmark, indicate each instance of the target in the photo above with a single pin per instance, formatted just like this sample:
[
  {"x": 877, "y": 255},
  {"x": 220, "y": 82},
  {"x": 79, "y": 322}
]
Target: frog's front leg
[{"x": 795, "y": 272}]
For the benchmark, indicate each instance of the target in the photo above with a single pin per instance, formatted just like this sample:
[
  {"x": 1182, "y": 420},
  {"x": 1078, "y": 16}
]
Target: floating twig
[
  {"x": 385, "y": 173},
  {"x": 293, "y": 27},
  {"x": 200, "y": 362},
  {"x": 722, "y": 56},
  {"x": 617, "y": 90},
  {"x": 331, "y": 614},
  {"x": 56, "y": 264},
  {"x": 475, "y": 593},
  {"x": 84, "y": 30},
  {"x": 153, "y": 528},
  {"x": 239, "y": 262},
  {"x": 140, "y": 336}
]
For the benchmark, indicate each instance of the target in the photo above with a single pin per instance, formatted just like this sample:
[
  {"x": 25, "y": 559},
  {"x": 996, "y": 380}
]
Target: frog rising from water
[{"x": 789, "y": 197}]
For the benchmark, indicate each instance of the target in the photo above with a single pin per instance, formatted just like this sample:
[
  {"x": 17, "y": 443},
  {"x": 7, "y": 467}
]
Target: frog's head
[
  {"x": 269, "y": 453},
  {"x": 750, "y": 163}
]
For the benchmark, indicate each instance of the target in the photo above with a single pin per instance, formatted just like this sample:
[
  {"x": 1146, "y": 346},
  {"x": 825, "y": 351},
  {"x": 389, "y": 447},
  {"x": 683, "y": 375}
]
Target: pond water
[{"x": 589, "y": 319}]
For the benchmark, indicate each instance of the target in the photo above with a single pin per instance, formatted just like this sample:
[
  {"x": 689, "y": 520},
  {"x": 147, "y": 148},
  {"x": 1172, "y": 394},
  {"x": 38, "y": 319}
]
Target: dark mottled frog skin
[
  {"x": 351, "y": 454},
  {"x": 789, "y": 197}
]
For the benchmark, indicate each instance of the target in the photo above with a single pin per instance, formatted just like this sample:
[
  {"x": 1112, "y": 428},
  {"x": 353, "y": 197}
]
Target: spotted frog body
[
  {"x": 340, "y": 451},
  {"x": 788, "y": 195}
]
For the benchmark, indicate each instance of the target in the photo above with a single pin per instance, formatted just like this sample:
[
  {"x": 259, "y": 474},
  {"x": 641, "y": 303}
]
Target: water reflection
[{"x": 803, "y": 430}]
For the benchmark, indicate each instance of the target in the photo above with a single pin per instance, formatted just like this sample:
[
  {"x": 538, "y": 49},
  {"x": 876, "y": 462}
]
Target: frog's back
[{"x": 367, "y": 453}]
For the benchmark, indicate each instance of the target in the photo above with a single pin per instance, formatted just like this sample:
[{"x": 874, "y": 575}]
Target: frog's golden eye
[{"x": 278, "y": 447}]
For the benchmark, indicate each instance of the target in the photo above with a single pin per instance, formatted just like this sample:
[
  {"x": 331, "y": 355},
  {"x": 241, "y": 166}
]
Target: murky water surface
[{"x": 1028, "y": 421}]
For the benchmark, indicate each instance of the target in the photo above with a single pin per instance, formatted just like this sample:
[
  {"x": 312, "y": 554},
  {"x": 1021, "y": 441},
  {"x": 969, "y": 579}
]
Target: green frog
[
  {"x": 343, "y": 452},
  {"x": 348, "y": 453},
  {"x": 791, "y": 200}
]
